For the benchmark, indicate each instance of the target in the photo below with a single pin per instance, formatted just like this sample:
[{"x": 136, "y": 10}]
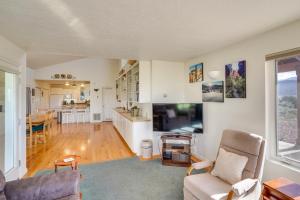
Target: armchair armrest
[
  {"x": 47, "y": 187},
  {"x": 199, "y": 165},
  {"x": 244, "y": 186}
]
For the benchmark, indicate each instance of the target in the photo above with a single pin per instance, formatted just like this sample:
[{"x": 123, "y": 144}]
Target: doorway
[
  {"x": 8, "y": 124},
  {"x": 107, "y": 103}
]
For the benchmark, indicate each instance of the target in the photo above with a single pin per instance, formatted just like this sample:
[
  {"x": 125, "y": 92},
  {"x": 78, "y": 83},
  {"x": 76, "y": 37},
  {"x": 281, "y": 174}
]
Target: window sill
[{"x": 284, "y": 164}]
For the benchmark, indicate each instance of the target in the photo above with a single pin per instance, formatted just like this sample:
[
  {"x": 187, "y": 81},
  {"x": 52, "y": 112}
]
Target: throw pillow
[{"x": 229, "y": 166}]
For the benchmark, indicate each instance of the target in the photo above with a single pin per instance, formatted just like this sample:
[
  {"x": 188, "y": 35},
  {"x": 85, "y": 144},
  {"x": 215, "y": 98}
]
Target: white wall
[
  {"x": 12, "y": 58},
  {"x": 30, "y": 78},
  {"x": 100, "y": 72},
  {"x": 244, "y": 114},
  {"x": 42, "y": 97}
]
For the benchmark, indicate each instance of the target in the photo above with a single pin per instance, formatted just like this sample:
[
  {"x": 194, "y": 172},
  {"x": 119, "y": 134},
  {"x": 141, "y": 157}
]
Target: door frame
[
  {"x": 113, "y": 103},
  {"x": 15, "y": 172}
]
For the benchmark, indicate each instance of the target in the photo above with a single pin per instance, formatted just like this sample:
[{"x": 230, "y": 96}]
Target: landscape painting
[
  {"x": 213, "y": 91},
  {"x": 235, "y": 80},
  {"x": 196, "y": 73}
]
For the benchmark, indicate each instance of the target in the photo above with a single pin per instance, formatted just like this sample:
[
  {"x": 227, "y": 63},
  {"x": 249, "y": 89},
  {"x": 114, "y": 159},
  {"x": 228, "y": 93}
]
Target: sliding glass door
[{"x": 7, "y": 121}]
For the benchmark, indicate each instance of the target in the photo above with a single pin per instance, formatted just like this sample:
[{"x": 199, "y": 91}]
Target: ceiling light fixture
[
  {"x": 81, "y": 85},
  {"x": 67, "y": 84}
]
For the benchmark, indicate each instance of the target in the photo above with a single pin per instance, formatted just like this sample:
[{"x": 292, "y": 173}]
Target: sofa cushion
[
  {"x": 205, "y": 186},
  {"x": 46, "y": 187},
  {"x": 2, "y": 181},
  {"x": 71, "y": 197},
  {"x": 229, "y": 166},
  {"x": 2, "y": 196}
]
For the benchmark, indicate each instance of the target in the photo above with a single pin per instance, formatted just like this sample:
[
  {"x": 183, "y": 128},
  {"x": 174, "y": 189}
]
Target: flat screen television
[{"x": 178, "y": 118}]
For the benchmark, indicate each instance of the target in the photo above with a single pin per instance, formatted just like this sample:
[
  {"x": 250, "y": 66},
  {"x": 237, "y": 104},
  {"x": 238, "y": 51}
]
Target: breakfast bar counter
[{"x": 73, "y": 115}]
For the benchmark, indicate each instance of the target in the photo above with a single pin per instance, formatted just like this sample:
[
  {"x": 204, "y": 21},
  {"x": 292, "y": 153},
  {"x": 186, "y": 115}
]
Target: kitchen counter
[
  {"x": 76, "y": 106},
  {"x": 128, "y": 116},
  {"x": 132, "y": 129},
  {"x": 73, "y": 115}
]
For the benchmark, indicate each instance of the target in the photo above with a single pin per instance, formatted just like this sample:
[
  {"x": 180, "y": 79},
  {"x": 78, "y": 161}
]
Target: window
[{"x": 288, "y": 109}]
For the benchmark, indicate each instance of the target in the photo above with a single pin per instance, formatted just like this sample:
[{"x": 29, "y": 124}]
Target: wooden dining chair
[
  {"x": 36, "y": 131},
  {"x": 52, "y": 122},
  {"x": 48, "y": 123},
  {"x": 29, "y": 132}
]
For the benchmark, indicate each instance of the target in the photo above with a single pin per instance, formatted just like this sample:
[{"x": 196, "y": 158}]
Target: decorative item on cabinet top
[{"x": 63, "y": 76}]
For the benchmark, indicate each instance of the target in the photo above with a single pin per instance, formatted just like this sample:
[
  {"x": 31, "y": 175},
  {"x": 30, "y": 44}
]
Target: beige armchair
[{"x": 208, "y": 187}]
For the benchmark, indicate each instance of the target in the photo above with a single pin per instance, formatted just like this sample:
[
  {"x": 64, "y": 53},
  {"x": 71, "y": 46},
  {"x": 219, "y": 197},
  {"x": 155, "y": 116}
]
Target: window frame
[{"x": 276, "y": 155}]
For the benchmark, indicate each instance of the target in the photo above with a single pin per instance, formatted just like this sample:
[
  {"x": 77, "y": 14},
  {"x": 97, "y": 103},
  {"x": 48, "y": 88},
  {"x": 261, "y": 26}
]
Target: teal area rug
[{"x": 131, "y": 179}]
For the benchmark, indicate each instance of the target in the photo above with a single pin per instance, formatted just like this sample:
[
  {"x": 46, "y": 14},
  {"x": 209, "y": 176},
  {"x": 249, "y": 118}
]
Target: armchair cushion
[
  {"x": 46, "y": 187},
  {"x": 202, "y": 165},
  {"x": 229, "y": 166},
  {"x": 205, "y": 186},
  {"x": 242, "y": 187}
]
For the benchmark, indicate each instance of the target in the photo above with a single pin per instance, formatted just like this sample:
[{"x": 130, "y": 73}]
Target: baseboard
[
  {"x": 23, "y": 172},
  {"x": 154, "y": 157}
]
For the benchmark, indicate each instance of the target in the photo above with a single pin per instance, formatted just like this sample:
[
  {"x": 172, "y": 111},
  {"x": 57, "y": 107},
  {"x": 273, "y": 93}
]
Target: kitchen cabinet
[{"x": 167, "y": 80}]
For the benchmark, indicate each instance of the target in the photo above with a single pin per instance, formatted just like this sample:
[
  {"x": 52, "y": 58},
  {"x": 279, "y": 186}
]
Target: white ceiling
[
  {"x": 37, "y": 60},
  {"x": 53, "y": 31}
]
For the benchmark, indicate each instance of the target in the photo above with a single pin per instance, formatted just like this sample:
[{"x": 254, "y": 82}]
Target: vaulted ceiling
[{"x": 54, "y": 31}]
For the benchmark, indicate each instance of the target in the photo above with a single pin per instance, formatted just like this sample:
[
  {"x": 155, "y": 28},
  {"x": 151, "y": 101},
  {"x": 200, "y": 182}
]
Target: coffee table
[{"x": 73, "y": 164}]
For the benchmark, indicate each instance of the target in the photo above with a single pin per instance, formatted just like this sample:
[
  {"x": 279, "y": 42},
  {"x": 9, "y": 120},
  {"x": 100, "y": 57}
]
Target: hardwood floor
[{"x": 93, "y": 142}]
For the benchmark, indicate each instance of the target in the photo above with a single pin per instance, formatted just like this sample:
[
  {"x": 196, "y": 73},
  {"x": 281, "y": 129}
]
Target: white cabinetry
[
  {"x": 134, "y": 84},
  {"x": 145, "y": 81},
  {"x": 167, "y": 82},
  {"x": 133, "y": 132},
  {"x": 75, "y": 93},
  {"x": 75, "y": 116}
]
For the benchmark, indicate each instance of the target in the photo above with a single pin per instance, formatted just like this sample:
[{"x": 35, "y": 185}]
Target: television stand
[{"x": 176, "y": 150}]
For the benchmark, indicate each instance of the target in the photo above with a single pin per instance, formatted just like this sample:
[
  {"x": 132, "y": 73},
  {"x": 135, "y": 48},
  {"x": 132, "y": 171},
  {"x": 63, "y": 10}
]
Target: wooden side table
[
  {"x": 73, "y": 164},
  {"x": 176, "y": 150},
  {"x": 280, "y": 189}
]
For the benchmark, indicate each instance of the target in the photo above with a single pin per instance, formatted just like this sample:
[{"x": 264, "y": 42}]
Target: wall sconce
[
  {"x": 214, "y": 74},
  {"x": 96, "y": 89}
]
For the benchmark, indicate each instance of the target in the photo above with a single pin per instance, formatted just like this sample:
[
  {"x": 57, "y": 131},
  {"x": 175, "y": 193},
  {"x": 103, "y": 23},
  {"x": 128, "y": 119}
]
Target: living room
[{"x": 223, "y": 89}]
